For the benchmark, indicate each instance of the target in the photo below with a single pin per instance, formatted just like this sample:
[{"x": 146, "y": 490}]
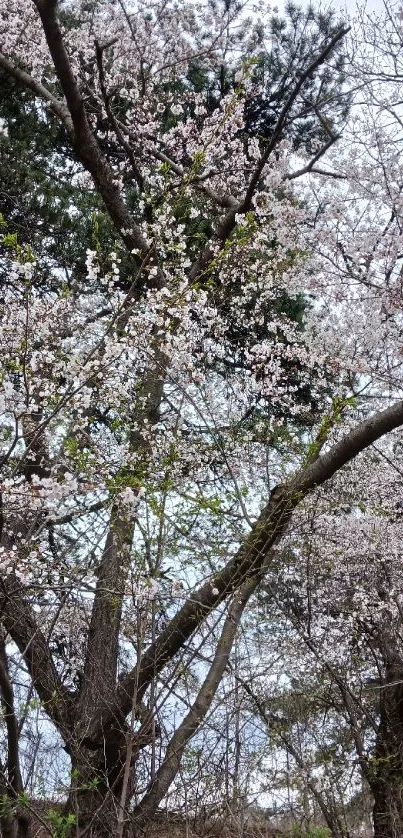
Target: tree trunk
[
  {"x": 387, "y": 786},
  {"x": 15, "y": 824},
  {"x": 95, "y": 792},
  {"x": 388, "y": 804}
]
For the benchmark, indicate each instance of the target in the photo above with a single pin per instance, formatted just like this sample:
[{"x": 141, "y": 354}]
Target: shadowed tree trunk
[{"x": 387, "y": 787}]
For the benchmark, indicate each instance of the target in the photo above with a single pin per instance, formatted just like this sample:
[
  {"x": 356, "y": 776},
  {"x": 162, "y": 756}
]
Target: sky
[{"x": 351, "y": 5}]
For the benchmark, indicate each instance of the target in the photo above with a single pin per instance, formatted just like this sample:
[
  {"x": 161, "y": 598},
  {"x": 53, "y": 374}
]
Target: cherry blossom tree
[
  {"x": 338, "y": 582},
  {"x": 151, "y": 463}
]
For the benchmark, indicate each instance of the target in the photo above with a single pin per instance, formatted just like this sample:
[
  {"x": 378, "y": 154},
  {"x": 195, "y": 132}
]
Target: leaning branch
[
  {"x": 250, "y": 558},
  {"x": 58, "y": 108},
  {"x": 19, "y": 621}
]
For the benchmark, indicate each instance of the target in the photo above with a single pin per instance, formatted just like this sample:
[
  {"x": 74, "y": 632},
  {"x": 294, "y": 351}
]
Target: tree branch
[
  {"x": 7, "y": 694},
  {"x": 272, "y": 723},
  {"x": 281, "y": 122},
  {"x": 227, "y": 223},
  {"x": 310, "y": 166},
  {"x": 58, "y": 108},
  {"x": 19, "y": 621},
  {"x": 198, "y": 711},
  {"x": 84, "y": 142},
  {"x": 251, "y": 555}
]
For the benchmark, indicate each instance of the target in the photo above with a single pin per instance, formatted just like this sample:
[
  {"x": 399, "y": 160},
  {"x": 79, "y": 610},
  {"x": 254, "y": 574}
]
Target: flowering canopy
[{"x": 240, "y": 333}]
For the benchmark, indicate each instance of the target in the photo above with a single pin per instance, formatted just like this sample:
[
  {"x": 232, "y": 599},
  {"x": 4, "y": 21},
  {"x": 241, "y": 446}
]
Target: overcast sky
[{"x": 351, "y": 5}]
